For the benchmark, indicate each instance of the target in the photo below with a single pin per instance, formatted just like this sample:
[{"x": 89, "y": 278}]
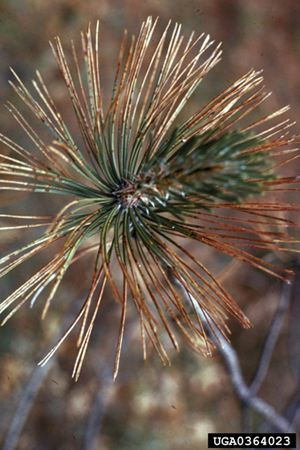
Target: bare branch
[{"x": 271, "y": 339}]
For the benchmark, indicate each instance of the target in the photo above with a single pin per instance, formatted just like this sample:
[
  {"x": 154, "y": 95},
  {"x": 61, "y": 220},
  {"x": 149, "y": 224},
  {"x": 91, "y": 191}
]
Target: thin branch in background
[
  {"x": 31, "y": 390},
  {"x": 294, "y": 329},
  {"x": 98, "y": 410},
  {"x": 229, "y": 355},
  {"x": 291, "y": 296},
  {"x": 268, "y": 349},
  {"x": 272, "y": 339},
  {"x": 106, "y": 388},
  {"x": 293, "y": 411},
  {"x": 24, "y": 406},
  {"x": 242, "y": 390}
]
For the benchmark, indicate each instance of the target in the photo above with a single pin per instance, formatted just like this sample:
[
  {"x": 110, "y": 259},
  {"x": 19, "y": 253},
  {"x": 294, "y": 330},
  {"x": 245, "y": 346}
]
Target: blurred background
[{"x": 149, "y": 406}]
